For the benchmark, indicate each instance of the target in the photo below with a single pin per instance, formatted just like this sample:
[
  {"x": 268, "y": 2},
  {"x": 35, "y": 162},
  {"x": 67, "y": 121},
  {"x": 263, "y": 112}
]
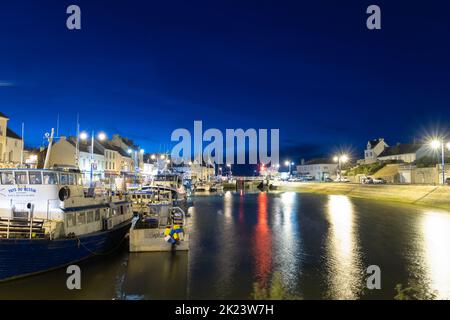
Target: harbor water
[{"x": 273, "y": 245}]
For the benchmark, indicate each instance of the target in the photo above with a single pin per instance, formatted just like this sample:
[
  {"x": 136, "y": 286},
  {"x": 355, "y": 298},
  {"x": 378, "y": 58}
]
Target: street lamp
[
  {"x": 436, "y": 144},
  {"x": 343, "y": 158},
  {"x": 229, "y": 166},
  {"x": 289, "y": 164},
  {"x": 101, "y": 137}
]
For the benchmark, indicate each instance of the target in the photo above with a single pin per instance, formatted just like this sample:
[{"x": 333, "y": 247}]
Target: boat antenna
[
  {"x": 49, "y": 137},
  {"x": 77, "y": 146},
  {"x": 57, "y": 125},
  {"x": 23, "y": 144}
]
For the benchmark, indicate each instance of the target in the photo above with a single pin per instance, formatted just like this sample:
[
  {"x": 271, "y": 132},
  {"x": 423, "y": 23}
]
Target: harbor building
[
  {"x": 373, "y": 149},
  {"x": 407, "y": 153},
  {"x": 107, "y": 159},
  {"x": 11, "y": 145},
  {"x": 317, "y": 169}
]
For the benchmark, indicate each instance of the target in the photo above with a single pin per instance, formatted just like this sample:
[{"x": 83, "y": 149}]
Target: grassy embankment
[{"x": 431, "y": 196}]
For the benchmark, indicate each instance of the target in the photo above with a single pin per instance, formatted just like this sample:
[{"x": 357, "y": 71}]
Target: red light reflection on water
[{"x": 262, "y": 240}]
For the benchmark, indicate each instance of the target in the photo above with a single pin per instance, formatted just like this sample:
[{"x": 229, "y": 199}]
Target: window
[
  {"x": 7, "y": 177},
  {"x": 81, "y": 218},
  {"x": 21, "y": 177},
  {"x": 121, "y": 209},
  {"x": 97, "y": 215},
  {"x": 64, "y": 178},
  {"x": 50, "y": 178},
  {"x": 71, "y": 219},
  {"x": 35, "y": 177},
  {"x": 71, "y": 179},
  {"x": 90, "y": 216}
]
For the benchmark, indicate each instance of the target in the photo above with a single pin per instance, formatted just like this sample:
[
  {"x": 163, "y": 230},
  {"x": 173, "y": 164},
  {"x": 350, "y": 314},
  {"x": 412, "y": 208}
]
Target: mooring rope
[{"x": 100, "y": 253}]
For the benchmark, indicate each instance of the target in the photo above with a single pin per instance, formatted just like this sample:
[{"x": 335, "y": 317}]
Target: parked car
[
  {"x": 328, "y": 179},
  {"x": 378, "y": 181},
  {"x": 366, "y": 180},
  {"x": 342, "y": 179}
]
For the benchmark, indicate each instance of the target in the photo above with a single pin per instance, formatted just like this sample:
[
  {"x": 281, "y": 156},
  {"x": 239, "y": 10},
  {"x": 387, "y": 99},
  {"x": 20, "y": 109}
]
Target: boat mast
[
  {"x": 23, "y": 144},
  {"x": 49, "y": 148}
]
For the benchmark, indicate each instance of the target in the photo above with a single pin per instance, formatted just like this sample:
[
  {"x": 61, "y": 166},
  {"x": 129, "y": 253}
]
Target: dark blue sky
[{"x": 310, "y": 68}]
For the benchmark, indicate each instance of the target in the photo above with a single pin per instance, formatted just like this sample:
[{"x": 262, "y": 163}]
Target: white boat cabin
[{"x": 58, "y": 198}]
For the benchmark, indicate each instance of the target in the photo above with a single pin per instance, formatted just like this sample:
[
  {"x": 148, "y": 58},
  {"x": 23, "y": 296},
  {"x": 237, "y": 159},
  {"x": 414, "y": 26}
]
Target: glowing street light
[
  {"x": 288, "y": 163},
  {"x": 83, "y": 135},
  {"x": 436, "y": 144},
  {"x": 343, "y": 158},
  {"x": 153, "y": 157},
  {"x": 142, "y": 151},
  {"x": 129, "y": 151},
  {"x": 101, "y": 136}
]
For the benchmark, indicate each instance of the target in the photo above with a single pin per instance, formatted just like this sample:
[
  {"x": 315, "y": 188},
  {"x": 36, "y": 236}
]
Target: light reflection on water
[
  {"x": 343, "y": 257},
  {"x": 436, "y": 257},
  {"x": 319, "y": 247}
]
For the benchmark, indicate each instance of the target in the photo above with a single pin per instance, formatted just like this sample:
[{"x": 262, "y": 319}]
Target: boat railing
[{"x": 22, "y": 228}]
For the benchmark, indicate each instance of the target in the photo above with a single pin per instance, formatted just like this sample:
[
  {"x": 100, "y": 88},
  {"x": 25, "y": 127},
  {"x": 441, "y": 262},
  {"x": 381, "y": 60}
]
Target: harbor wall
[{"x": 426, "y": 195}]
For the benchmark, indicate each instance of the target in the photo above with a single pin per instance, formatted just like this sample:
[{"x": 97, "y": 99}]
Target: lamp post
[
  {"x": 436, "y": 144},
  {"x": 229, "y": 166},
  {"x": 343, "y": 158},
  {"x": 288, "y": 163},
  {"x": 84, "y": 136}
]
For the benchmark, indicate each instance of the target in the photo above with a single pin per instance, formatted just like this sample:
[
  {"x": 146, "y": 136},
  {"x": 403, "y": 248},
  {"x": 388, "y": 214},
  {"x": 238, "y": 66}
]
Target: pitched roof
[
  {"x": 84, "y": 146},
  {"x": 108, "y": 145},
  {"x": 2, "y": 115},
  {"x": 319, "y": 161},
  {"x": 398, "y": 149},
  {"x": 373, "y": 143},
  {"x": 12, "y": 134}
]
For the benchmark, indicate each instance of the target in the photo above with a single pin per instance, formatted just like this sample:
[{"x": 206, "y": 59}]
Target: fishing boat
[
  {"x": 169, "y": 182},
  {"x": 216, "y": 187},
  {"x": 202, "y": 186},
  {"x": 49, "y": 220},
  {"x": 163, "y": 228}
]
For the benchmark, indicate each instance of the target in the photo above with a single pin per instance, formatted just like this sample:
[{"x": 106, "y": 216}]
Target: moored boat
[{"x": 48, "y": 220}]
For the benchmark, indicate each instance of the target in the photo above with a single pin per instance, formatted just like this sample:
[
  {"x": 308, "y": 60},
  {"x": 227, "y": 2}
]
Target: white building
[
  {"x": 64, "y": 153},
  {"x": 407, "y": 153},
  {"x": 373, "y": 149},
  {"x": 131, "y": 158},
  {"x": 317, "y": 169},
  {"x": 11, "y": 145}
]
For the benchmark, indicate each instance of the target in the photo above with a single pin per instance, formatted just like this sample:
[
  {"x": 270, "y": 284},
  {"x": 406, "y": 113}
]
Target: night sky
[{"x": 310, "y": 68}]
